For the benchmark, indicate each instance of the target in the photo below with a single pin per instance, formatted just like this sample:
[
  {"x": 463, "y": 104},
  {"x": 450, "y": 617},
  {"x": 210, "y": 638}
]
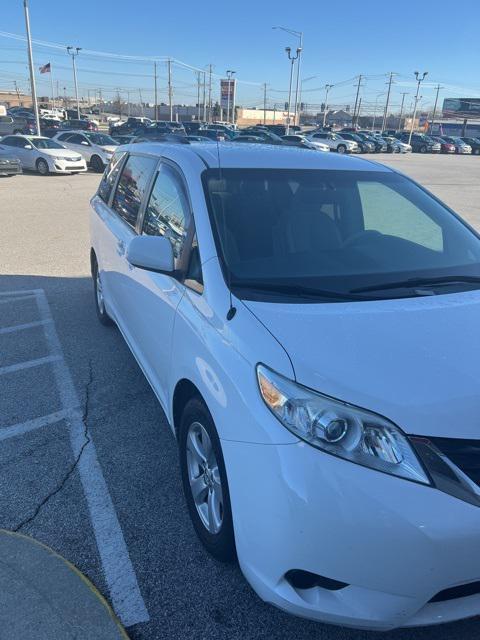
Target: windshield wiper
[
  {"x": 297, "y": 290},
  {"x": 412, "y": 283}
]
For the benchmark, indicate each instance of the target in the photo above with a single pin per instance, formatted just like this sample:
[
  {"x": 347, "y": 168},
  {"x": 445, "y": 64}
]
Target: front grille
[{"x": 465, "y": 454}]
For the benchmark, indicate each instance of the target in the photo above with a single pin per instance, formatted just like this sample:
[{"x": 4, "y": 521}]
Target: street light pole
[
  {"x": 73, "y": 51},
  {"x": 299, "y": 35},
  {"x": 292, "y": 60},
  {"x": 230, "y": 73},
  {"x": 327, "y": 89},
  {"x": 30, "y": 64},
  {"x": 419, "y": 81}
]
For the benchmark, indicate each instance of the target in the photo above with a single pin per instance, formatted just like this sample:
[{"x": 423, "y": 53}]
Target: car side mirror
[
  {"x": 152, "y": 253},
  {"x": 85, "y": 143},
  {"x": 28, "y": 146}
]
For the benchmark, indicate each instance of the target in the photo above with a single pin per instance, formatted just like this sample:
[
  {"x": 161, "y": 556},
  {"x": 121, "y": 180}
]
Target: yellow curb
[{"x": 85, "y": 580}]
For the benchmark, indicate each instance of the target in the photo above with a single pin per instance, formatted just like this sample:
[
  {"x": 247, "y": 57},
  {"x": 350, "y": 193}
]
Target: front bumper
[
  {"x": 10, "y": 169},
  {"x": 395, "y": 543},
  {"x": 62, "y": 166}
]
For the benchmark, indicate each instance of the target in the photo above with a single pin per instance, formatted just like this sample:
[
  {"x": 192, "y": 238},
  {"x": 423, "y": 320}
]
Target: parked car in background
[
  {"x": 44, "y": 155},
  {"x": 334, "y": 141},
  {"x": 194, "y": 138},
  {"x": 396, "y": 146},
  {"x": 296, "y": 140},
  {"x": 227, "y": 132},
  {"x": 85, "y": 125},
  {"x": 461, "y": 147},
  {"x": 10, "y": 165},
  {"x": 474, "y": 144},
  {"x": 122, "y": 139},
  {"x": 445, "y": 147},
  {"x": 366, "y": 146},
  {"x": 376, "y": 139},
  {"x": 420, "y": 143},
  {"x": 193, "y": 127},
  {"x": 309, "y": 326},
  {"x": 267, "y": 136},
  {"x": 10, "y": 124},
  {"x": 96, "y": 148},
  {"x": 247, "y": 138},
  {"x": 213, "y": 134},
  {"x": 49, "y": 127}
]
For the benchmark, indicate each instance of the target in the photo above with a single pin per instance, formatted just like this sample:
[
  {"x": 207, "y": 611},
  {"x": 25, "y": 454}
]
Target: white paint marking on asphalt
[
  {"x": 21, "y": 327},
  {"x": 20, "y": 292},
  {"x": 28, "y": 364},
  {"x": 117, "y": 565},
  {"x": 10, "y": 300},
  {"x": 21, "y": 428}
]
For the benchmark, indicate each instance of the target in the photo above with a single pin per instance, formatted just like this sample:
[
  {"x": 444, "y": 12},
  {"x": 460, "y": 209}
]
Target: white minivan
[{"x": 310, "y": 325}]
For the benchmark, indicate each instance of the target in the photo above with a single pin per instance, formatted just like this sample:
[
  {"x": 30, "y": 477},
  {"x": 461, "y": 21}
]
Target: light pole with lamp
[
  {"x": 419, "y": 81},
  {"x": 299, "y": 35},
  {"x": 74, "y": 51},
  {"x": 292, "y": 60}
]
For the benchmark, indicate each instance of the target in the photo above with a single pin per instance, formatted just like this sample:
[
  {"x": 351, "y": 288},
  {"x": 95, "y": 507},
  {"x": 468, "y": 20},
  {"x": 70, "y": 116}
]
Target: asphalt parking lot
[{"x": 88, "y": 464}]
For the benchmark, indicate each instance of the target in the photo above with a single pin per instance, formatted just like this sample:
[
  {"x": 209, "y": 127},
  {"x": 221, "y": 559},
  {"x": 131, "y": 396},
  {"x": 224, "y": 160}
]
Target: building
[
  {"x": 15, "y": 99},
  {"x": 461, "y": 107}
]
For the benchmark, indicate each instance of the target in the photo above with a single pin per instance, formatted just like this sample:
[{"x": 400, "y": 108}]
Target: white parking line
[
  {"x": 117, "y": 566},
  {"x": 22, "y": 327},
  {"x": 28, "y": 364},
  {"x": 10, "y": 300},
  {"x": 30, "y": 425}
]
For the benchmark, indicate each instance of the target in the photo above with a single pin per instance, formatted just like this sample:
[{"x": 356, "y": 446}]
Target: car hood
[
  {"x": 109, "y": 148},
  {"x": 416, "y": 361},
  {"x": 59, "y": 153}
]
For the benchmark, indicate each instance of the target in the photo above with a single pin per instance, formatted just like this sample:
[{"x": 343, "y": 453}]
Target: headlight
[
  {"x": 61, "y": 158},
  {"x": 339, "y": 428}
]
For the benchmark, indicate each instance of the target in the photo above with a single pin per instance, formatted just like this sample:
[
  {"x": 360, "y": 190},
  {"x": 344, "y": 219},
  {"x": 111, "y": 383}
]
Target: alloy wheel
[
  {"x": 204, "y": 478},
  {"x": 99, "y": 292}
]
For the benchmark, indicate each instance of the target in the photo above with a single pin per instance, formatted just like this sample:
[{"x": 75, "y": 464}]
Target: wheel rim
[
  {"x": 99, "y": 291},
  {"x": 204, "y": 478},
  {"x": 341, "y": 149},
  {"x": 42, "y": 167}
]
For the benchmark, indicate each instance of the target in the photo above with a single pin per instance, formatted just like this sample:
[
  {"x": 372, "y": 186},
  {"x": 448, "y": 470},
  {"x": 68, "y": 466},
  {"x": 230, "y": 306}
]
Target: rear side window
[
  {"x": 109, "y": 177},
  {"x": 168, "y": 212},
  {"x": 131, "y": 187}
]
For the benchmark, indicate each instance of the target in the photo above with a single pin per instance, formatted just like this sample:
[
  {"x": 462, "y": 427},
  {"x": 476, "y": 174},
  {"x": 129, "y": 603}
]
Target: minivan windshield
[{"x": 329, "y": 235}]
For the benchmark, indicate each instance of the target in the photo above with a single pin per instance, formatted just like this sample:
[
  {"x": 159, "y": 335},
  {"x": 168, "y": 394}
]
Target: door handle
[{"x": 121, "y": 248}]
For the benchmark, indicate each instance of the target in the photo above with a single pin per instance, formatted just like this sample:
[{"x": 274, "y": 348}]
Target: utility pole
[
  {"x": 204, "y": 96},
  {"x": 387, "y": 102},
  {"x": 209, "y": 92},
  {"x": 170, "y": 91},
  {"x": 17, "y": 92},
  {"x": 230, "y": 74},
  {"x": 141, "y": 102},
  {"x": 65, "y": 97},
  {"x": 419, "y": 81},
  {"x": 30, "y": 64},
  {"x": 198, "y": 95},
  {"x": 355, "y": 117},
  {"x": 297, "y": 107},
  {"x": 155, "y": 111},
  {"x": 128, "y": 102},
  {"x": 438, "y": 87},
  {"x": 401, "y": 110},
  {"x": 327, "y": 89},
  {"x": 73, "y": 51},
  {"x": 264, "y": 103}
]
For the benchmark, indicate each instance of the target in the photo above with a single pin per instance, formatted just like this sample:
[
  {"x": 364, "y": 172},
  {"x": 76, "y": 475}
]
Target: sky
[{"x": 340, "y": 42}]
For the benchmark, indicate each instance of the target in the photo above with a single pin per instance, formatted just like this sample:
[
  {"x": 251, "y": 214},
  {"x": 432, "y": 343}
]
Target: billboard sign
[
  {"x": 227, "y": 93},
  {"x": 462, "y": 107}
]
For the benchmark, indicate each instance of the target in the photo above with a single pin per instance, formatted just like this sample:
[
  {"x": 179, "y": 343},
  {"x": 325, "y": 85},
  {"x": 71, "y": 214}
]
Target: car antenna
[{"x": 232, "y": 310}]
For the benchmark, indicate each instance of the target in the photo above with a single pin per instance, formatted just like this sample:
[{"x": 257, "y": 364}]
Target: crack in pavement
[{"x": 74, "y": 465}]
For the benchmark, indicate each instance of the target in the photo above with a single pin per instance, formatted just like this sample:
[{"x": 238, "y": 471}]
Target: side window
[
  {"x": 168, "y": 212},
  {"x": 8, "y": 142},
  {"x": 109, "y": 177},
  {"x": 131, "y": 187},
  {"x": 64, "y": 137},
  {"x": 76, "y": 138},
  {"x": 390, "y": 213}
]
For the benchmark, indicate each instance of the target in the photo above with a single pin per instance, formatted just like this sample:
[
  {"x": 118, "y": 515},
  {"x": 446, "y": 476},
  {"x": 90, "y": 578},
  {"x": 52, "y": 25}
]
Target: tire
[
  {"x": 476, "y": 152},
  {"x": 423, "y": 149},
  {"x": 42, "y": 167},
  {"x": 97, "y": 164},
  {"x": 102, "y": 315},
  {"x": 341, "y": 148},
  {"x": 202, "y": 466}
]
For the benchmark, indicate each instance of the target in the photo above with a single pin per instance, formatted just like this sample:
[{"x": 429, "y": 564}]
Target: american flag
[{"x": 46, "y": 68}]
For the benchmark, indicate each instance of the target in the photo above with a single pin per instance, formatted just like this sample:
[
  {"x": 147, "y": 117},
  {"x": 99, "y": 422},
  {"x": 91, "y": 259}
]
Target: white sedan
[
  {"x": 334, "y": 142},
  {"x": 44, "y": 155},
  {"x": 96, "y": 148}
]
